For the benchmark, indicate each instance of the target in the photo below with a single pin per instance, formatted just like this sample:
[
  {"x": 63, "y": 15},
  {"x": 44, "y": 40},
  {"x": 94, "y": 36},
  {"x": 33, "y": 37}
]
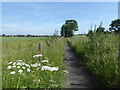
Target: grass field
[
  {"x": 100, "y": 55},
  {"x": 0, "y": 62},
  {"x": 32, "y": 74},
  {"x": 98, "y": 52}
]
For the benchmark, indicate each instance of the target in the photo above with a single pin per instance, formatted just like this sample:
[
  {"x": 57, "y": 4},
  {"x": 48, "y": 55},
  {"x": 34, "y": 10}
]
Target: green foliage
[
  {"x": 115, "y": 25},
  {"x": 68, "y": 28},
  {"x": 23, "y": 48},
  {"x": 100, "y": 55},
  {"x": 100, "y": 29},
  {"x": 90, "y": 33}
]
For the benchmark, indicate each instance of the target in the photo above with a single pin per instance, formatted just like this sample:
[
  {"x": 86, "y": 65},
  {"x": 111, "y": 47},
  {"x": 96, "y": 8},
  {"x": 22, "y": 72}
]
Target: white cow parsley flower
[
  {"x": 39, "y": 55},
  {"x": 45, "y": 61},
  {"x": 35, "y": 65},
  {"x": 23, "y": 67},
  {"x": 13, "y": 72},
  {"x": 9, "y": 67},
  {"x": 45, "y": 68},
  {"x": 54, "y": 69},
  {"x": 50, "y": 68},
  {"x": 20, "y": 71},
  {"x": 27, "y": 65},
  {"x": 19, "y": 61},
  {"x": 10, "y": 62},
  {"x": 18, "y": 66},
  {"x": 13, "y": 66},
  {"x": 28, "y": 70},
  {"x": 14, "y": 63}
]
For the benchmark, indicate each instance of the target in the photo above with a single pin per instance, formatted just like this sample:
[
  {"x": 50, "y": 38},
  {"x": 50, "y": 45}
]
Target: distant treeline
[
  {"x": 4, "y": 35},
  {"x": 29, "y": 35},
  {"x": 114, "y": 28}
]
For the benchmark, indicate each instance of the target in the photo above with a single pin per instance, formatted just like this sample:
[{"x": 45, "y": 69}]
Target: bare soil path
[{"x": 77, "y": 76}]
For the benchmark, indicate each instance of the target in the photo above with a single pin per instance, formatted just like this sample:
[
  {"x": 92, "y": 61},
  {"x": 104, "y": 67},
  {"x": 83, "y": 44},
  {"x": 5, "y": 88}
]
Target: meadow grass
[
  {"x": 24, "y": 48},
  {"x": 100, "y": 54},
  {"x": 0, "y": 62}
]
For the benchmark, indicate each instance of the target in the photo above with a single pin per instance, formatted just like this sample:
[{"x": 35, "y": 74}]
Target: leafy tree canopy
[
  {"x": 67, "y": 29},
  {"x": 115, "y": 25}
]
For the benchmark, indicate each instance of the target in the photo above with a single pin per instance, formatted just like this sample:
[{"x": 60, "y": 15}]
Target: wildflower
[
  {"x": 10, "y": 62},
  {"x": 45, "y": 68},
  {"x": 28, "y": 70},
  {"x": 65, "y": 71},
  {"x": 20, "y": 71},
  {"x": 9, "y": 67},
  {"x": 50, "y": 68},
  {"x": 27, "y": 65},
  {"x": 18, "y": 66},
  {"x": 39, "y": 55},
  {"x": 13, "y": 66},
  {"x": 19, "y": 61},
  {"x": 13, "y": 72},
  {"x": 14, "y": 63},
  {"x": 45, "y": 61},
  {"x": 35, "y": 65},
  {"x": 23, "y": 67},
  {"x": 39, "y": 64},
  {"x": 23, "y": 63},
  {"x": 54, "y": 69}
]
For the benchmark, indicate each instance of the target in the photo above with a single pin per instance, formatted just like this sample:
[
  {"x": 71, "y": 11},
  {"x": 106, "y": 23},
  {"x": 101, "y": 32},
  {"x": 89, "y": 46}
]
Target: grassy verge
[
  {"x": 30, "y": 75},
  {"x": 0, "y": 62},
  {"x": 100, "y": 55}
]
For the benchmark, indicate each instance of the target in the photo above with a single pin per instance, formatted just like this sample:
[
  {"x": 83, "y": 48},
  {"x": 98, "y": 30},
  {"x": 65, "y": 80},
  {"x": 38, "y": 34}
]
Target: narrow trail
[{"x": 77, "y": 76}]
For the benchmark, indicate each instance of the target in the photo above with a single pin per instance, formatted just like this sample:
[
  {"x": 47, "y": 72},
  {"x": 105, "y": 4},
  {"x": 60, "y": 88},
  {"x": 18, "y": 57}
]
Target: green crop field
[{"x": 22, "y": 69}]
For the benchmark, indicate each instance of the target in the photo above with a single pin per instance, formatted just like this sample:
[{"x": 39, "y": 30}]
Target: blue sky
[{"x": 42, "y": 18}]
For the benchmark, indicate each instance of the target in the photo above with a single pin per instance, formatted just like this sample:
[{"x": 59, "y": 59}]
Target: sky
[{"x": 43, "y": 18}]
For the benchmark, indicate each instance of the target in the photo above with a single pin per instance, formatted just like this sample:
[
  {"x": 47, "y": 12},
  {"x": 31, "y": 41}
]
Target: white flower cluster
[
  {"x": 50, "y": 68},
  {"x": 20, "y": 65},
  {"x": 35, "y": 65},
  {"x": 43, "y": 61},
  {"x": 39, "y": 55}
]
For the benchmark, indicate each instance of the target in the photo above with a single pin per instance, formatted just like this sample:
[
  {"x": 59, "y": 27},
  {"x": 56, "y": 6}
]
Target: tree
[
  {"x": 67, "y": 29},
  {"x": 115, "y": 26},
  {"x": 3, "y": 35},
  {"x": 100, "y": 29},
  {"x": 90, "y": 32},
  {"x": 29, "y": 35}
]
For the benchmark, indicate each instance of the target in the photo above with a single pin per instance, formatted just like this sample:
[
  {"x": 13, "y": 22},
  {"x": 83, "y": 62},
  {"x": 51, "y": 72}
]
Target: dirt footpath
[{"x": 77, "y": 76}]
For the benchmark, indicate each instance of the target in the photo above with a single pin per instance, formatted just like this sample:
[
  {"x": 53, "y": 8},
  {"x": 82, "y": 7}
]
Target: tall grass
[
  {"x": 0, "y": 62},
  {"x": 100, "y": 55},
  {"x": 24, "y": 49}
]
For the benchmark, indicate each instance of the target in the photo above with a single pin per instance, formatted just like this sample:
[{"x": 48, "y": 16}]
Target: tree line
[
  {"x": 70, "y": 26},
  {"x": 29, "y": 35}
]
